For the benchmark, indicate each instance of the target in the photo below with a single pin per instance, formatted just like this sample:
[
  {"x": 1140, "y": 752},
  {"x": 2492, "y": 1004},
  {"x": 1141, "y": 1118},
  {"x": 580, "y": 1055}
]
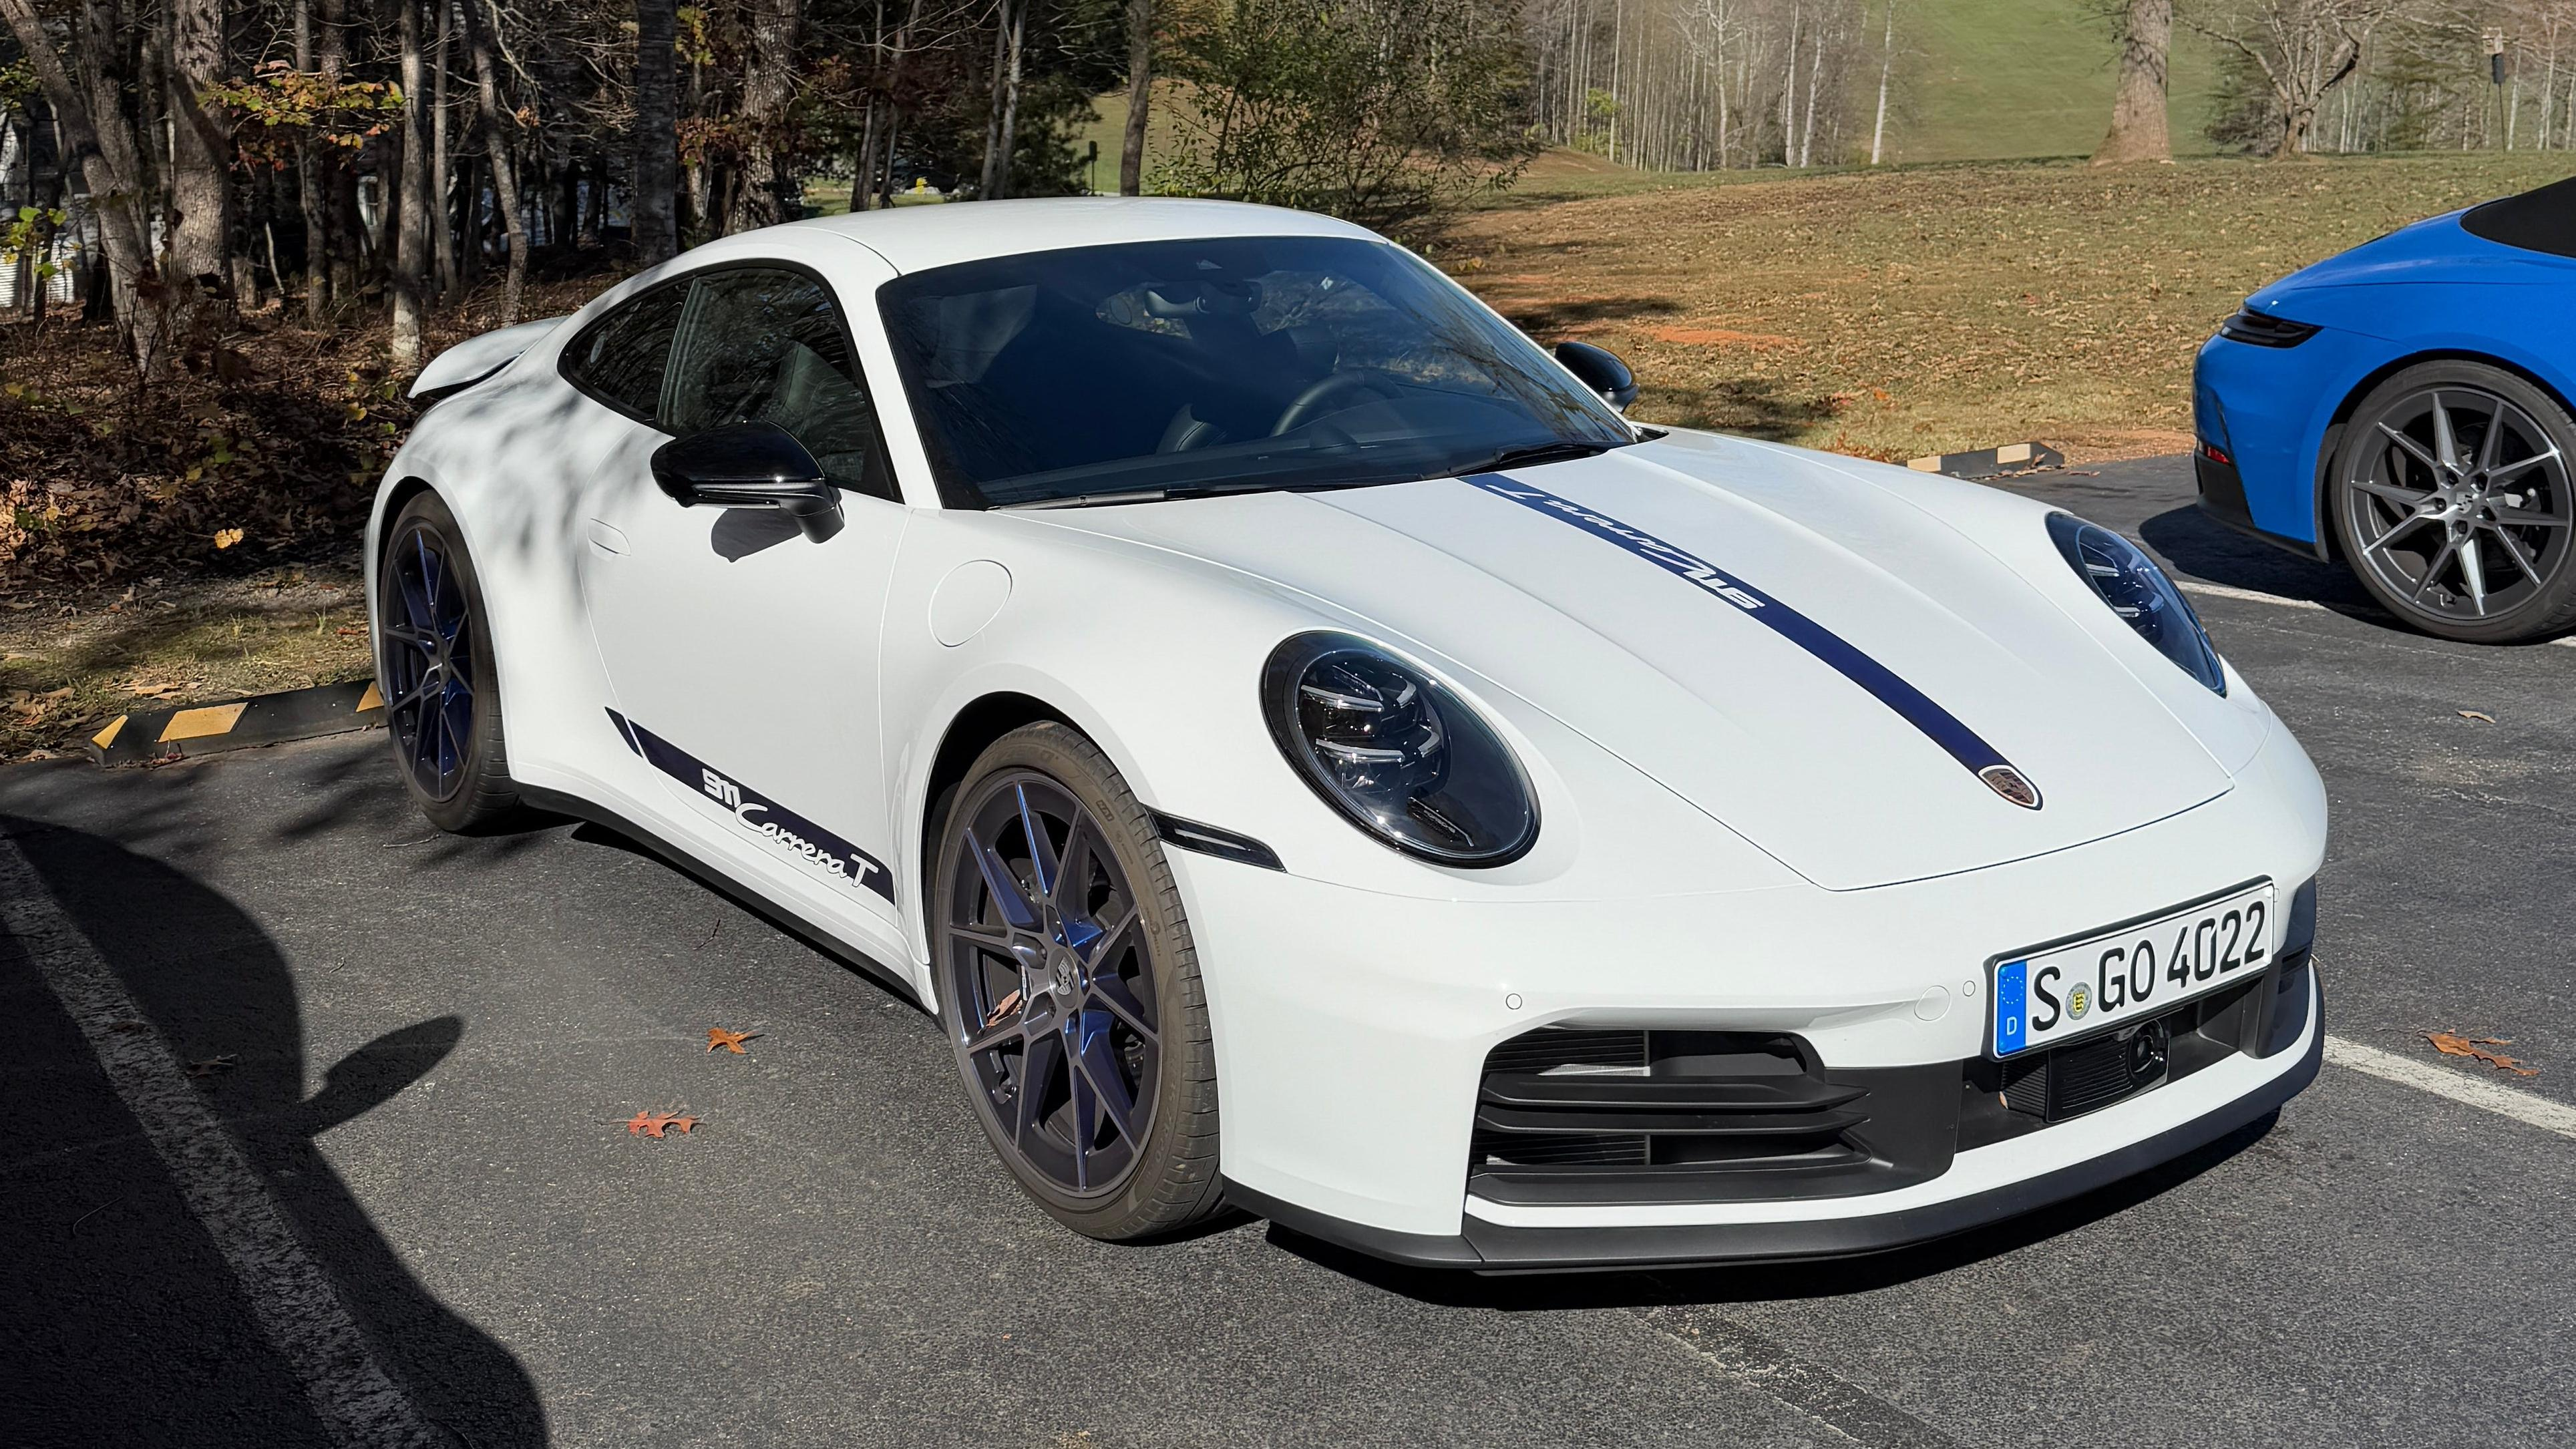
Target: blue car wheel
[{"x": 2452, "y": 502}]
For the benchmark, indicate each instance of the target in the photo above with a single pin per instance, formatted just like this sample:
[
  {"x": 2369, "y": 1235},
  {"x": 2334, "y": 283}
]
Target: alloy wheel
[
  {"x": 2459, "y": 504},
  {"x": 430, "y": 670},
  {"x": 1051, "y": 975}
]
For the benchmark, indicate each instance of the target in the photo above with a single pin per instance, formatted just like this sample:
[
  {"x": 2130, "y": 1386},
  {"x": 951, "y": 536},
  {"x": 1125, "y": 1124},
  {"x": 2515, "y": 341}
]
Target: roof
[{"x": 916, "y": 237}]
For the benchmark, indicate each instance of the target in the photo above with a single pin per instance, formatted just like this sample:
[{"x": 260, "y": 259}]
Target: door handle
[{"x": 606, "y": 538}]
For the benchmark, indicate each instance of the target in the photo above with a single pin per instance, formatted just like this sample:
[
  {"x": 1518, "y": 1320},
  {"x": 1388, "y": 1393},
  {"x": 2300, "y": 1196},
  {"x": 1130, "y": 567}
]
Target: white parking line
[
  {"x": 2504, "y": 1101},
  {"x": 2255, "y": 596},
  {"x": 296, "y": 1306}
]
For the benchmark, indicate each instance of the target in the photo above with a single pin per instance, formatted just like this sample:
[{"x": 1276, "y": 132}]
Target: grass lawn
[{"x": 1935, "y": 308}]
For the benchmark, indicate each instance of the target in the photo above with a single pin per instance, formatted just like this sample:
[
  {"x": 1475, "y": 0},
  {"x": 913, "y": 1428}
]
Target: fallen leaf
[
  {"x": 730, "y": 1040},
  {"x": 651, "y": 1124},
  {"x": 211, "y": 1065},
  {"x": 2452, "y": 1044},
  {"x": 2474, "y": 714},
  {"x": 227, "y": 537}
]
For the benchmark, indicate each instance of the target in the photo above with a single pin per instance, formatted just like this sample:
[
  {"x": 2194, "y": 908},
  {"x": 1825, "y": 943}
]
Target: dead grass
[
  {"x": 67, "y": 666},
  {"x": 1935, "y": 309}
]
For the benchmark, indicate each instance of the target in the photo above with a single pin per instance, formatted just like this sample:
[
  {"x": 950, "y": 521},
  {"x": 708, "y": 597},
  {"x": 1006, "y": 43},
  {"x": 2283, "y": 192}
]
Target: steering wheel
[{"x": 1310, "y": 404}]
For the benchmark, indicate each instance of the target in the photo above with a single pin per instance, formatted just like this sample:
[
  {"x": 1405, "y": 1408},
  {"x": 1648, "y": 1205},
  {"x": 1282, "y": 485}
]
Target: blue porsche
[{"x": 2404, "y": 408}]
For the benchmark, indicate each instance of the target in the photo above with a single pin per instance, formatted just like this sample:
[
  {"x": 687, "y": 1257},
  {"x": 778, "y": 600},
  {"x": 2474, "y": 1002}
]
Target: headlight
[
  {"x": 1402, "y": 756},
  {"x": 2138, "y": 592}
]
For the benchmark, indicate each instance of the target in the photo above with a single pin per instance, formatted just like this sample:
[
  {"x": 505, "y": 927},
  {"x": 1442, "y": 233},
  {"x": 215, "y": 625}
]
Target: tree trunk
[
  {"x": 768, "y": 84},
  {"x": 1140, "y": 94},
  {"x": 652, "y": 213},
  {"x": 97, "y": 137},
  {"x": 496, "y": 147},
  {"x": 308, "y": 188},
  {"x": 2138, "y": 126},
  {"x": 339, "y": 179},
  {"x": 995, "y": 162},
  {"x": 442, "y": 226},
  {"x": 1011, "y": 101},
  {"x": 1886, "y": 64},
  {"x": 411, "y": 219},
  {"x": 200, "y": 149}
]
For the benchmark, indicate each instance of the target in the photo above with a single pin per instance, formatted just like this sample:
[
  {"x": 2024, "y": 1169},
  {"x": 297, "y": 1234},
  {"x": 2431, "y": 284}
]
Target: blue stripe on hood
[{"x": 1937, "y": 724}]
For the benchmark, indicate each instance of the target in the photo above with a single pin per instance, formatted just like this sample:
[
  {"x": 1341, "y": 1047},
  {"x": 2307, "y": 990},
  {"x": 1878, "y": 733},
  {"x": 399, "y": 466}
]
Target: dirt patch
[{"x": 1720, "y": 337}]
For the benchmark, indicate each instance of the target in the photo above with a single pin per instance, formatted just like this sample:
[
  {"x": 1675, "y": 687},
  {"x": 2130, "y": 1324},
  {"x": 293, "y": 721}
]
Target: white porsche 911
[{"x": 1313, "y": 754}]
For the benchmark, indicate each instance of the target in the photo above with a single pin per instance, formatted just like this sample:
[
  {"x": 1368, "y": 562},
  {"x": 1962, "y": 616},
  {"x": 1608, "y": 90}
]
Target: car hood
[{"x": 1612, "y": 592}]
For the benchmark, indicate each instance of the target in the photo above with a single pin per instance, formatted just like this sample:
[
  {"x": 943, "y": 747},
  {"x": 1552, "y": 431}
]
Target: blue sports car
[{"x": 2404, "y": 408}]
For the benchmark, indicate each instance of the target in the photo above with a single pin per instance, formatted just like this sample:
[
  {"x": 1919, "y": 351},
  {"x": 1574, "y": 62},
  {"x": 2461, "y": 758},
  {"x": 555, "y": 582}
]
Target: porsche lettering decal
[
  {"x": 758, "y": 813},
  {"x": 1913, "y": 705}
]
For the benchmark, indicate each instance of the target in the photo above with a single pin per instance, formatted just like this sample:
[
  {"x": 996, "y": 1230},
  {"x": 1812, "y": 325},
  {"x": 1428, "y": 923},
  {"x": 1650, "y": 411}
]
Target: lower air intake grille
[
  {"x": 2073, "y": 1080},
  {"x": 1568, "y": 1114}
]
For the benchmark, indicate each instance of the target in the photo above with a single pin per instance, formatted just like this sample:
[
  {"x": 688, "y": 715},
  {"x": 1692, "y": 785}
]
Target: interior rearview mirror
[
  {"x": 1600, "y": 369},
  {"x": 750, "y": 465}
]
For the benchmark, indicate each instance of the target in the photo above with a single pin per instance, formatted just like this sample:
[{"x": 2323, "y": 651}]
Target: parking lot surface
[{"x": 315, "y": 1132}]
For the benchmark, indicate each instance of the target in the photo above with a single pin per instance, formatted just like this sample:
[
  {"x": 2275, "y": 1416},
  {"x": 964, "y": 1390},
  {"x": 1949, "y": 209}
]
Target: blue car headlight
[
  {"x": 1398, "y": 753},
  {"x": 2138, "y": 591}
]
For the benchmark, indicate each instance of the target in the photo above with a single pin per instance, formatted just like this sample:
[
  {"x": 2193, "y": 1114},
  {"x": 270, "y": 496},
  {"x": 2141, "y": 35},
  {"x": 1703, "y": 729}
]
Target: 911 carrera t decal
[
  {"x": 1937, "y": 724},
  {"x": 758, "y": 813}
]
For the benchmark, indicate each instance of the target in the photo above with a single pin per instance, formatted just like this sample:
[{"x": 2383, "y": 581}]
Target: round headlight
[
  {"x": 1400, "y": 754},
  {"x": 2138, "y": 591}
]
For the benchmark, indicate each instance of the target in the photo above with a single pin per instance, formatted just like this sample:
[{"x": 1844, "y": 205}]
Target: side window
[
  {"x": 620, "y": 359},
  {"x": 764, "y": 345}
]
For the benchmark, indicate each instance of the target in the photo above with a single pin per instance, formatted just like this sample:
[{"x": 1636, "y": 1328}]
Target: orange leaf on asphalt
[
  {"x": 2452, "y": 1044},
  {"x": 730, "y": 1040},
  {"x": 651, "y": 1124}
]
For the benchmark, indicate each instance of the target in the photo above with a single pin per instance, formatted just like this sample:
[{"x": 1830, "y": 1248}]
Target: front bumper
[
  {"x": 1353, "y": 1031},
  {"x": 2210, "y": 1110}
]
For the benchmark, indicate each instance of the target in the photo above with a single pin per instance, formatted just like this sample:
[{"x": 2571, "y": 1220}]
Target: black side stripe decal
[
  {"x": 1937, "y": 724},
  {"x": 758, "y": 813}
]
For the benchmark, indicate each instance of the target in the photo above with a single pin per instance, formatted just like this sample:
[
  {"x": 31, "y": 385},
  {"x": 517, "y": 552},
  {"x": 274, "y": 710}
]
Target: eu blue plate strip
[
  {"x": 2012, "y": 996},
  {"x": 1918, "y": 709}
]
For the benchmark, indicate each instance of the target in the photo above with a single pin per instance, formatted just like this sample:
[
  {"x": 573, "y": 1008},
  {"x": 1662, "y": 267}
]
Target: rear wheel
[
  {"x": 1070, "y": 990},
  {"x": 2452, "y": 501},
  {"x": 434, "y": 668}
]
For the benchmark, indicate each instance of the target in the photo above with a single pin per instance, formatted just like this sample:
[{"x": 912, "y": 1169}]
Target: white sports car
[{"x": 1313, "y": 754}]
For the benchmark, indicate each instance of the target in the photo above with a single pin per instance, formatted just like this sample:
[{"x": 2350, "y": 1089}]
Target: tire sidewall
[
  {"x": 2532, "y": 616},
  {"x": 485, "y": 759},
  {"x": 1185, "y": 1056}
]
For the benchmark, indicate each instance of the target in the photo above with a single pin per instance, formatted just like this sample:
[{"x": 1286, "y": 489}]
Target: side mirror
[
  {"x": 1600, "y": 369},
  {"x": 750, "y": 465}
]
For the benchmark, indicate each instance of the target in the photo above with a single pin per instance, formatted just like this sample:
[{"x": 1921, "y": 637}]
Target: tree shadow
[
  {"x": 1553, "y": 319},
  {"x": 1771, "y": 1282},
  {"x": 126, "y": 1325}
]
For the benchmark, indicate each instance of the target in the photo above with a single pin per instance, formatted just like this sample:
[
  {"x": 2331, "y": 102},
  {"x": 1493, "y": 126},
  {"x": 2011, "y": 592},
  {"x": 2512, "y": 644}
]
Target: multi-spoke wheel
[
  {"x": 1070, "y": 991},
  {"x": 434, "y": 669},
  {"x": 2452, "y": 499}
]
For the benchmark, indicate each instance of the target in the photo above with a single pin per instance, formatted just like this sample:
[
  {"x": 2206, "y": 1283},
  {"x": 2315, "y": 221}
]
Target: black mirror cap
[
  {"x": 1600, "y": 370},
  {"x": 750, "y": 465},
  {"x": 733, "y": 457}
]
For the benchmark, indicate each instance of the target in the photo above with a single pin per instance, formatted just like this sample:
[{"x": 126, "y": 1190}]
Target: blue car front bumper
[{"x": 2262, "y": 415}]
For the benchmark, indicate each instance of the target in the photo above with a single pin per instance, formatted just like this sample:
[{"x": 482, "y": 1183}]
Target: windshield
[{"x": 1164, "y": 368}]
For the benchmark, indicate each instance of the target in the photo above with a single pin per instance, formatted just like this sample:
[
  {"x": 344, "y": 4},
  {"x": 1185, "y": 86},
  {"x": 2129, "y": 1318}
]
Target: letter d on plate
[{"x": 2012, "y": 1000}]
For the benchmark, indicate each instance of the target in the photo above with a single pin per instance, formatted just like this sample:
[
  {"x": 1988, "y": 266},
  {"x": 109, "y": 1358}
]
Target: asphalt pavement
[{"x": 395, "y": 1070}]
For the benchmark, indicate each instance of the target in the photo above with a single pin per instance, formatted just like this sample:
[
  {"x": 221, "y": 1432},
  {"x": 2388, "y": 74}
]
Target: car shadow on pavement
[
  {"x": 1773, "y": 1282},
  {"x": 2203, "y": 548},
  {"x": 124, "y": 1323}
]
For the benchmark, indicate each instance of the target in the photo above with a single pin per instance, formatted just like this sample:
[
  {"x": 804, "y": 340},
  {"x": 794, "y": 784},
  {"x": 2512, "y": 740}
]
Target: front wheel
[
  {"x": 1070, "y": 990},
  {"x": 434, "y": 668},
  {"x": 2451, "y": 499}
]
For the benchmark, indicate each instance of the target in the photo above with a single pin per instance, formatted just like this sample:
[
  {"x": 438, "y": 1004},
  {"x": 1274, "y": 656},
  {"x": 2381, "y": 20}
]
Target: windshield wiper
[
  {"x": 1153, "y": 495},
  {"x": 1563, "y": 450}
]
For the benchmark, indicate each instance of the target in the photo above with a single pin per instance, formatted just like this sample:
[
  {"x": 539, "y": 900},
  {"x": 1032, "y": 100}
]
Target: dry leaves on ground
[
  {"x": 2452, "y": 1044},
  {"x": 2477, "y": 714},
  {"x": 652, "y": 1124},
  {"x": 730, "y": 1040}
]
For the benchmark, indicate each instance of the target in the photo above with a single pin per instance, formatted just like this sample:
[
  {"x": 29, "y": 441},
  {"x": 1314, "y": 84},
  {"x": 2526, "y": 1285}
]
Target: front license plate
[{"x": 2045, "y": 997}]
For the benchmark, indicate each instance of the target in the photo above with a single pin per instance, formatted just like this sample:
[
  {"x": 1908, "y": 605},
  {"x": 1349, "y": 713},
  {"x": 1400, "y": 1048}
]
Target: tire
[
  {"x": 434, "y": 667},
  {"x": 1076, "y": 956},
  {"x": 2474, "y": 539}
]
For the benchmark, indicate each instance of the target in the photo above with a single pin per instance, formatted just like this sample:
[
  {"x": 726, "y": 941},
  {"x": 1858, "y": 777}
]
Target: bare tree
[
  {"x": 651, "y": 210},
  {"x": 496, "y": 148},
  {"x": 768, "y": 85},
  {"x": 411, "y": 207},
  {"x": 2139, "y": 131},
  {"x": 99, "y": 139},
  {"x": 2302, "y": 48},
  {"x": 200, "y": 147},
  {"x": 1140, "y": 95}
]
